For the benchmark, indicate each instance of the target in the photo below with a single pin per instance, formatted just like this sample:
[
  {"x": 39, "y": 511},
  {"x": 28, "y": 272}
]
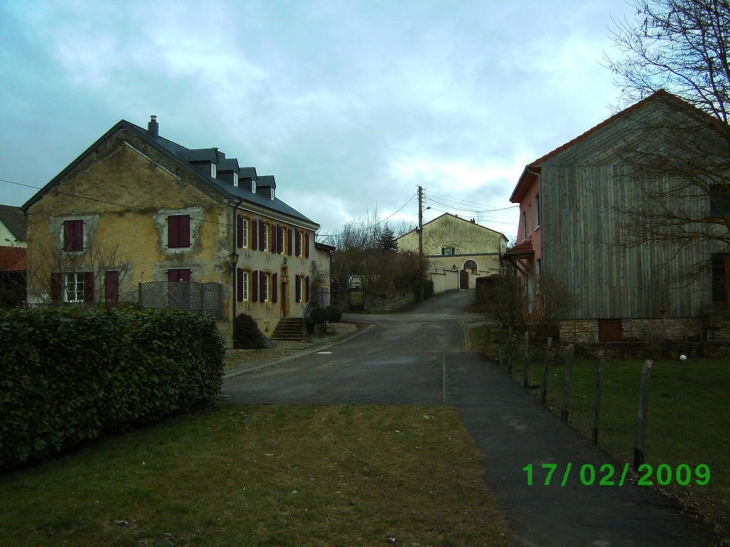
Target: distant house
[
  {"x": 571, "y": 226},
  {"x": 458, "y": 251},
  {"x": 138, "y": 216},
  {"x": 13, "y": 227},
  {"x": 13, "y": 269}
]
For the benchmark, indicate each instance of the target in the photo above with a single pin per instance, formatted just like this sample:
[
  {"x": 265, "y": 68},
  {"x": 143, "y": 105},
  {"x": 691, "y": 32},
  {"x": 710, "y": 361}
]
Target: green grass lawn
[
  {"x": 688, "y": 416},
  {"x": 263, "y": 475}
]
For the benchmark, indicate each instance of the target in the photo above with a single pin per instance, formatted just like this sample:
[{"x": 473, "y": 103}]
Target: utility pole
[{"x": 420, "y": 243}]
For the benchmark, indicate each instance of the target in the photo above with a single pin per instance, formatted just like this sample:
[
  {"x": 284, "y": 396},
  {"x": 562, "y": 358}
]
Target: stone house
[
  {"x": 572, "y": 226},
  {"x": 138, "y": 216},
  {"x": 458, "y": 251}
]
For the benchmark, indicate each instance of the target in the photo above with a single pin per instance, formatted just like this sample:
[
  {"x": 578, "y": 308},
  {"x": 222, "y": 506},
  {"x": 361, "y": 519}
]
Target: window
[
  {"x": 273, "y": 194},
  {"x": 253, "y": 186},
  {"x": 72, "y": 287},
  {"x": 213, "y": 170},
  {"x": 524, "y": 225},
  {"x": 264, "y": 287},
  {"x": 720, "y": 266},
  {"x": 448, "y": 251},
  {"x": 178, "y": 231},
  {"x": 235, "y": 180},
  {"x": 265, "y": 230},
  {"x": 719, "y": 200},
  {"x": 242, "y": 231},
  {"x": 243, "y": 285},
  {"x": 73, "y": 235}
]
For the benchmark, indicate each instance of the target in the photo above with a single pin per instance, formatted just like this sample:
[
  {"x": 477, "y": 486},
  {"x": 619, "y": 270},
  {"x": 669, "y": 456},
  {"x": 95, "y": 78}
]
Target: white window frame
[
  {"x": 265, "y": 281},
  {"x": 213, "y": 170},
  {"x": 73, "y": 287},
  {"x": 246, "y": 222},
  {"x": 244, "y": 288},
  {"x": 235, "y": 180}
]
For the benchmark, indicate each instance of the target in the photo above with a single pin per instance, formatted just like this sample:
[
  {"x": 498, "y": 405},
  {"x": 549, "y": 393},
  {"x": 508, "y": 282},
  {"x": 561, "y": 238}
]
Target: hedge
[{"x": 72, "y": 373}]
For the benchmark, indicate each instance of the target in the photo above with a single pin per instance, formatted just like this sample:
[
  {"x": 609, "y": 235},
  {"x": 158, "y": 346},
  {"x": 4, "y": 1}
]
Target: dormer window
[
  {"x": 273, "y": 196},
  {"x": 213, "y": 170},
  {"x": 253, "y": 186},
  {"x": 235, "y": 180}
]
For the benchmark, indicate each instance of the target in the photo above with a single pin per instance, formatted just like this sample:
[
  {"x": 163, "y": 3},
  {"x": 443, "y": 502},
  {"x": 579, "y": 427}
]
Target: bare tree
[
  {"x": 679, "y": 159},
  {"x": 49, "y": 261}
]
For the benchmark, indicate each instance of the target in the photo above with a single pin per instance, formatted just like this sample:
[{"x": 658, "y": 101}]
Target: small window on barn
[
  {"x": 73, "y": 235},
  {"x": 178, "y": 231}
]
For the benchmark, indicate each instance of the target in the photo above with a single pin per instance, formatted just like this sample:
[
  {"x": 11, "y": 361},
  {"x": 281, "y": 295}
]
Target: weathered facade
[
  {"x": 136, "y": 208},
  {"x": 573, "y": 204},
  {"x": 458, "y": 251}
]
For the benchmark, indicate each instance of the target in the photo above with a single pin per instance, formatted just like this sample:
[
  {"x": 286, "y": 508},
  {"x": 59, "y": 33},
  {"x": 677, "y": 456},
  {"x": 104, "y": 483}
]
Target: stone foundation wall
[
  {"x": 581, "y": 331},
  {"x": 381, "y": 304}
]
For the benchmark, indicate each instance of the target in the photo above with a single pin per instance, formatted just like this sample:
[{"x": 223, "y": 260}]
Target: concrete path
[{"x": 418, "y": 358}]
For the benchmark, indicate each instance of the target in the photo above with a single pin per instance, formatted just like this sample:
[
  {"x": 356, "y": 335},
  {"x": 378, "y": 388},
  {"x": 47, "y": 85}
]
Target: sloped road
[{"x": 418, "y": 358}]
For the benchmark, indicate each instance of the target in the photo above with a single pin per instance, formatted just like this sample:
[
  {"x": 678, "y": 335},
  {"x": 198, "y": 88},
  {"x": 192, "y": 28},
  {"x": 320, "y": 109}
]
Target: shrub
[
  {"x": 246, "y": 333},
  {"x": 71, "y": 373},
  {"x": 334, "y": 313}
]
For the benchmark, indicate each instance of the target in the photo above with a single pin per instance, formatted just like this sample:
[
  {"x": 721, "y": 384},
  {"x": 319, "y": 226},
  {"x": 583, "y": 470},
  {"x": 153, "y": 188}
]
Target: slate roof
[
  {"x": 15, "y": 221},
  {"x": 187, "y": 158},
  {"x": 13, "y": 259}
]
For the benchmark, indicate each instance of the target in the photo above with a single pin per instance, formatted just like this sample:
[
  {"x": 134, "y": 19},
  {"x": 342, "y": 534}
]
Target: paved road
[{"x": 419, "y": 358}]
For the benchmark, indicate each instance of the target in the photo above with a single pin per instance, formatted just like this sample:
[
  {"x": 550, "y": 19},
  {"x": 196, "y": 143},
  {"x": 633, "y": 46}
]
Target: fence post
[
  {"x": 546, "y": 370},
  {"x": 599, "y": 394},
  {"x": 564, "y": 413},
  {"x": 641, "y": 419},
  {"x": 525, "y": 379}
]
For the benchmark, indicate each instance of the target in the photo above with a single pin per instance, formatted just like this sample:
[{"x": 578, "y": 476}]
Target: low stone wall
[
  {"x": 582, "y": 331},
  {"x": 375, "y": 303}
]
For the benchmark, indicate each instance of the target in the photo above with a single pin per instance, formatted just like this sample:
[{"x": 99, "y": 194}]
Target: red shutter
[
  {"x": 73, "y": 235},
  {"x": 178, "y": 276},
  {"x": 297, "y": 288},
  {"x": 297, "y": 243},
  {"x": 178, "y": 231},
  {"x": 255, "y": 287},
  {"x": 274, "y": 287},
  {"x": 254, "y": 234},
  {"x": 239, "y": 231},
  {"x": 305, "y": 236},
  {"x": 88, "y": 286},
  {"x": 111, "y": 286},
  {"x": 239, "y": 285},
  {"x": 56, "y": 287},
  {"x": 288, "y": 241}
]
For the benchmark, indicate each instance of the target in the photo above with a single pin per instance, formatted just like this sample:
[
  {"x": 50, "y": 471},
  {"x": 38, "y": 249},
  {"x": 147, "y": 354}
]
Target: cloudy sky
[{"x": 351, "y": 104}]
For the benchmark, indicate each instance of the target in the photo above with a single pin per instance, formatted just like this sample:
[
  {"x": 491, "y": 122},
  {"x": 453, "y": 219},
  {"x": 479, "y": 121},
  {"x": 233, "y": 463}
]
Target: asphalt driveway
[{"x": 419, "y": 358}]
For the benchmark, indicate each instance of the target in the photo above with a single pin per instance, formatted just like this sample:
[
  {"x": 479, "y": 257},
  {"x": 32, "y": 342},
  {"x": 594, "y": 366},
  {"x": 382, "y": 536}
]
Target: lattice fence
[{"x": 201, "y": 297}]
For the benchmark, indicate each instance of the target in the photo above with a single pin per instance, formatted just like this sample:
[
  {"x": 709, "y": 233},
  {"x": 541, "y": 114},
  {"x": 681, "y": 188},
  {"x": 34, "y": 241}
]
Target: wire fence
[
  {"x": 194, "y": 296},
  {"x": 668, "y": 420}
]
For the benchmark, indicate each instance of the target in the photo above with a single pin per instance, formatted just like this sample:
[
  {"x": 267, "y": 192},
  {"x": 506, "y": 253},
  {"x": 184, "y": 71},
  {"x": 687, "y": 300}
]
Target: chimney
[{"x": 153, "y": 128}]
